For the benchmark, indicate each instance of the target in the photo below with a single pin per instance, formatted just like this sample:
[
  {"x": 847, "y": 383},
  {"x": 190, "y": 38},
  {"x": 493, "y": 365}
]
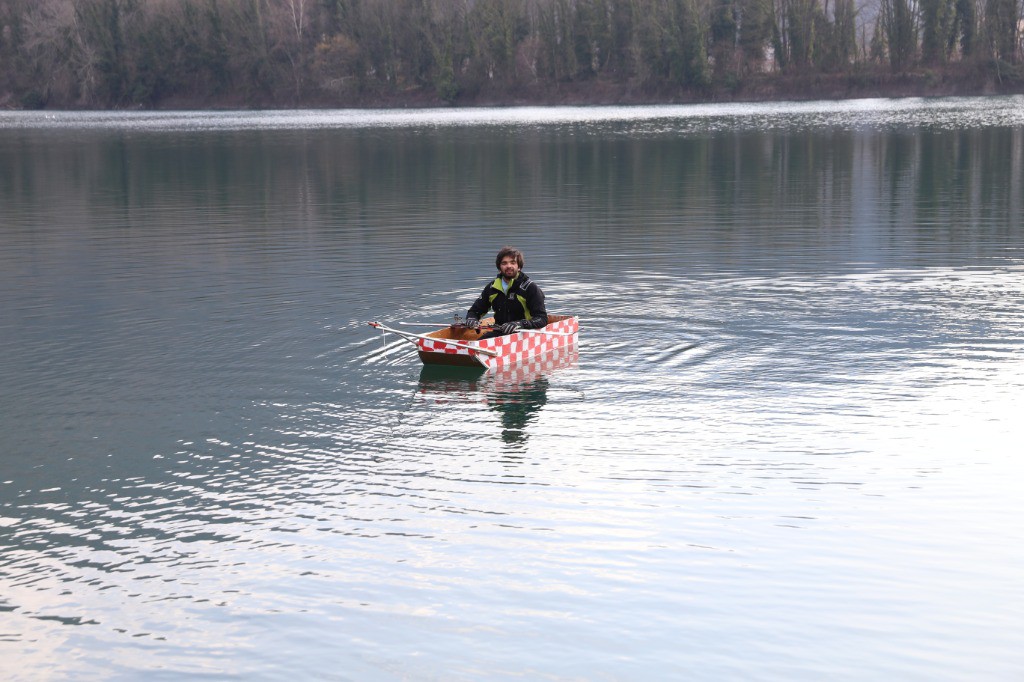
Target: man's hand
[
  {"x": 473, "y": 324},
  {"x": 510, "y": 327}
]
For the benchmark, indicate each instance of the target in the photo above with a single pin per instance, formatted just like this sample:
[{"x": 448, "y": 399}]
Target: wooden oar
[
  {"x": 409, "y": 337},
  {"x": 428, "y": 324}
]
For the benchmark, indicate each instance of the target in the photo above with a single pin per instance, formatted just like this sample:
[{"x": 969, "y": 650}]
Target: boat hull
[{"x": 468, "y": 350}]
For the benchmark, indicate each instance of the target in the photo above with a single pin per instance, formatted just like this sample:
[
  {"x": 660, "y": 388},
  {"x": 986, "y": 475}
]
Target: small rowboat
[{"x": 457, "y": 345}]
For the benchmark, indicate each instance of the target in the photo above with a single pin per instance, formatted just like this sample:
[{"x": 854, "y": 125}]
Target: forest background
[{"x": 104, "y": 54}]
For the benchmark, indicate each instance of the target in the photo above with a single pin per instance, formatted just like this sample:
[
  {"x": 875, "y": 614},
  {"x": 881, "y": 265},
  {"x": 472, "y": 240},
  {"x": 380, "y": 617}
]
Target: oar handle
[{"x": 448, "y": 342}]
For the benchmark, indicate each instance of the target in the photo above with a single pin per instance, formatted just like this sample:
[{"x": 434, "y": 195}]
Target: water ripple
[{"x": 790, "y": 418}]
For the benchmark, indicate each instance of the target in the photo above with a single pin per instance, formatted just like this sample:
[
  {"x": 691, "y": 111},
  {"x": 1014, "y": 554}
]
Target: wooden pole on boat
[
  {"x": 409, "y": 337},
  {"x": 426, "y": 324}
]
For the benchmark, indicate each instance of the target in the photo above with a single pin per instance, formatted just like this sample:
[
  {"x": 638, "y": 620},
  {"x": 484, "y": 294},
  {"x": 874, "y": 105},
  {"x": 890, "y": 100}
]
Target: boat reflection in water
[{"x": 516, "y": 392}]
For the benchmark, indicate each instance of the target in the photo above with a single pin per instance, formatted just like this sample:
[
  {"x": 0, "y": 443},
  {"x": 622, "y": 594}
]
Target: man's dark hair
[{"x": 509, "y": 251}]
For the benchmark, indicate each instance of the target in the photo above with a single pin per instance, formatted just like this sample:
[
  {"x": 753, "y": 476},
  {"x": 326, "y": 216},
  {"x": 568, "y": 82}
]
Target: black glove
[
  {"x": 510, "y": 327},
  {"x": 473, "y": 323}
]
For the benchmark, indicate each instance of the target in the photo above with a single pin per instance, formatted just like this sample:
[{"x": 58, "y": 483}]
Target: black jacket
[{"x": 524, "y": 303}]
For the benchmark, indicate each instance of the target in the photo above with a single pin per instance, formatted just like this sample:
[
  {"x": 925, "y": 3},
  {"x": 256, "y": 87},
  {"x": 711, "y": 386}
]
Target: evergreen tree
[
  {"x": 897, "y": 18},
  {"x": 800, "y": 20},
  {"x": 936, "y": 29},
  {"x": 845, "y": 45},
  {"x": 724, "y": 33},
  {"x": 1002, "y": 19},
  {"x": 965, "y": 27},
  {"x": 756, "y": 24}
]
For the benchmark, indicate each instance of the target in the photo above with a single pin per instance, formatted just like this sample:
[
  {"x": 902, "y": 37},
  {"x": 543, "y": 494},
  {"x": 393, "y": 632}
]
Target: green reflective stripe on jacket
[
  {"x": 496, "y": 284},
  {"x": 526, "y": 309}
]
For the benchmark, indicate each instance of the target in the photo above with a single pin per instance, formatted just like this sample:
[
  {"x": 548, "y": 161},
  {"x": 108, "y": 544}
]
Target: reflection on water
[
  {"x": 310, "y": 202},
  {"x": 515, "y": 393},
  {"x": 784, "y": 448}
]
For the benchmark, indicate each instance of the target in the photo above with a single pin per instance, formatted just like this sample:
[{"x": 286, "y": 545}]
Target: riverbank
[
  {"x": 955, "y": 80},
  {"x": 959, "y": 80}
]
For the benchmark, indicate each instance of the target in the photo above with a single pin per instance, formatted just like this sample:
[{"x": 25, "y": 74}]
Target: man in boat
[{"x": 517, "y": 301}]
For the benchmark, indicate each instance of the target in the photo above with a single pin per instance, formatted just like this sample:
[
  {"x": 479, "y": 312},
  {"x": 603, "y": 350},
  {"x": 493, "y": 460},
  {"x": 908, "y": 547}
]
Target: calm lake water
[{"x": 786, "y": 447}]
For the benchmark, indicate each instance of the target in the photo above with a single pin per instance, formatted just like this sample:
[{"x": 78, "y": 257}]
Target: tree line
[{"x": 152, "y": 53}]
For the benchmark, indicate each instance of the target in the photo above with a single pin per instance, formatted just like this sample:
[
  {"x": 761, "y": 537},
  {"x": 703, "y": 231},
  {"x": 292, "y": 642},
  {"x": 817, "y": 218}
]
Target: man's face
[{"x": 509, "y": 267}]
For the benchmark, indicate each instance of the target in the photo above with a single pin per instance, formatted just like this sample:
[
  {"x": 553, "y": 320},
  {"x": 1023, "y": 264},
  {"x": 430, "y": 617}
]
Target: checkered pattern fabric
[
  {"x": 512, "y": 377},
  {"x": 511, "y": 349}
]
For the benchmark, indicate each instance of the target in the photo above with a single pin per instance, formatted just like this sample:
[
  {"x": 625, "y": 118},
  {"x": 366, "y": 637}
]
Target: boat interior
[{"x": 457, "y": 333}]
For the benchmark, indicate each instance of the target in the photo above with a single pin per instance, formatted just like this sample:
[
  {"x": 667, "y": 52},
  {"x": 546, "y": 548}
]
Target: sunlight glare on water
[
  {"x": 785, "y": 446},
  {"x": 951, "y": 113}
]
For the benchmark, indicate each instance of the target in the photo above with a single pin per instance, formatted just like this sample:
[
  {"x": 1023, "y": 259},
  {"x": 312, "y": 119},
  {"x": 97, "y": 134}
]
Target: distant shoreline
[{"x": 866, "y": 84}]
